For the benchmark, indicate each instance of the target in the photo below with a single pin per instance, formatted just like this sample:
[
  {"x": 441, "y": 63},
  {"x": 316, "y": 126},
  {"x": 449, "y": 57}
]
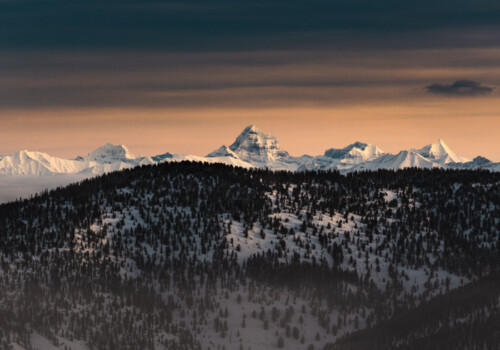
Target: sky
[{"x": 188, "y": 76}]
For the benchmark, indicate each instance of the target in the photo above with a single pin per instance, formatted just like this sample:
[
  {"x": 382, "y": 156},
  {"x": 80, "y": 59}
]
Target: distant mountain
[
  {"x": 103, "y": 160},
  {"x": 355, "y": 153},
  {"x": 35, "y": 163},
  {"x": 28, "y": 163},
  {"x": 109, "y": 154},
  {"x": 477, "y": 163},
  {"x": 260, "y": 150},
  {"x": 404, "y": 159},
  {"x": 440, "y": 153},
  {"x": 252, "y": 148},
  {"x": 343, "y": 158},
  {"x": 162, "y": 157}
]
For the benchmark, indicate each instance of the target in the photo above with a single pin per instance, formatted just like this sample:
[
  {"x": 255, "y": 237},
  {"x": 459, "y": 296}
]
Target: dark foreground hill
[{"x": 197, "y": 256}]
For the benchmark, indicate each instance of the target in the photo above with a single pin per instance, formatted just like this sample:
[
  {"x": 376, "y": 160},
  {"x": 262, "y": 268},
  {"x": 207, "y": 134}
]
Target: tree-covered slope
[{"x": 190, "y": 255}]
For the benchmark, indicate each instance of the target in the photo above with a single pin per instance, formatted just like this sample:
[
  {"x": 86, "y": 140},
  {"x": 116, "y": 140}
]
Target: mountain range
[{"x": 252, "y": 148}]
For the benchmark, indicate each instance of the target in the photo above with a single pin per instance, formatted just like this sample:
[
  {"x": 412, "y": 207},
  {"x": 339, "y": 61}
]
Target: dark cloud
[
  {"x": 460, "y": 88},
  {"x": 201, "y": 25},
  {"x": 119, "y": 53},
  {"x": 220, "y": 80}
]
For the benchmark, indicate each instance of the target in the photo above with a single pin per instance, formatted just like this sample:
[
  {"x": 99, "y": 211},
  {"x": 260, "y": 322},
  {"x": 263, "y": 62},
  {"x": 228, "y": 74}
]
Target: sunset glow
[{"x": 170, "y": 85}]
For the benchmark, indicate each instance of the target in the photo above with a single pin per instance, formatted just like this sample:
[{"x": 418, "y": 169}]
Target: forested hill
[{"x": 208, "y": 256}]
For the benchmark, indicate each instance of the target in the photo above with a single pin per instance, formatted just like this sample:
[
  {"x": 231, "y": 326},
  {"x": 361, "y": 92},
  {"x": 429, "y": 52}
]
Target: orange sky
[
  {"x": 469, "y": 127},
  {"x": 68, "y": 104}
]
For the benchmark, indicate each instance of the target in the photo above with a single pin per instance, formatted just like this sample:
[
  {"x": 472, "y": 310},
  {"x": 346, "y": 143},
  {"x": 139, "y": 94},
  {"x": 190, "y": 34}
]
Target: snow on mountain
[
  {"x": 440, "y": 152},
  {"x": 109, "y": 154},
  {"x": 255, "y": 147},
  {"x": 355, "y": 153},
  {"x": 223, "y": 151},
  {"x": 260, "y": 150},
  {"x": 477, "y": 163},
  {"x": 320, "y": 163},
  {"x": 252, "y": 148},
  {"x": 102, "y": 160},
  {"x": 37, "y": 164},
  {"x": 404, "y": 159},
  {"x": 263, "y": 151},
  {"x": 343, "y": 158}
]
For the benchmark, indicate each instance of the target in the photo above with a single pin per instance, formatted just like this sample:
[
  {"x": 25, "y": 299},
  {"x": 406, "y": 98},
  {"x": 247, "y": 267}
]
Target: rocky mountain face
[{"x": 260, "y": 150}]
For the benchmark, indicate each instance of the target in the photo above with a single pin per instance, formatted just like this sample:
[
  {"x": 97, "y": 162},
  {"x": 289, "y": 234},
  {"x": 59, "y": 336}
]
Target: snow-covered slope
[
  {"x": 223, "y": 151},
  {"x": 440, "y": 153},
  {"x": 109, "y": 154},
  {"x": 104, "y": 159},
  {"x": 38, "y": 164},
  {"x": 404, "y": 159},
  {"x": 343, "y": 158},
  {"x": 477, "y": 163},
  {"x": 345, "y": 253}
]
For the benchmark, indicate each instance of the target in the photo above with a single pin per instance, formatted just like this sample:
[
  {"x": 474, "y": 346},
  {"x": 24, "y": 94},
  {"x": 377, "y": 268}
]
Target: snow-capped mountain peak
[
  {"x": 441, "y": 153},
  {"x": 110, "y": 153},
  {"x": 35, "y": 164},
  {"x": 404, "y": 159},
  {"x": 252, "y": 148},
  {"x": 253, "y": 140},
  {"x": 357, "y": 152},
  {"x": 479, "y": 160},
  {"x": 258, "y": 148},
  {"x": 24, "y": 162}
]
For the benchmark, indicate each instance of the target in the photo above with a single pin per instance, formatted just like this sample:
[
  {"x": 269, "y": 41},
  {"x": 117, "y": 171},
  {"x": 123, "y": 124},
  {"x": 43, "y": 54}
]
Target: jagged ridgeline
[{"x": 209, "y": 256}]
